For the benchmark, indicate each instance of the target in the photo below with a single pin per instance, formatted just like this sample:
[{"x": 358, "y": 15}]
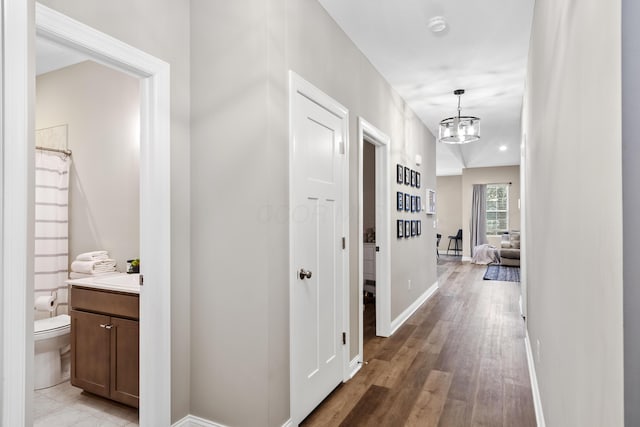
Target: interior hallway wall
[
  {"x": 160, "y": 28},
  {"x": 571, "y": 125},
  {"x": 448, "y": 208},
  {"x": 240, "y": 193},
  {"x": 101, "y": 107}
]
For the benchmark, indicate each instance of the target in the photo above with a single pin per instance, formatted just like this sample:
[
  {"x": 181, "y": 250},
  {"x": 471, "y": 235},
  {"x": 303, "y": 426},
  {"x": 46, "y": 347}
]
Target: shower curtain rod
[{"x": 57, "y": 150}]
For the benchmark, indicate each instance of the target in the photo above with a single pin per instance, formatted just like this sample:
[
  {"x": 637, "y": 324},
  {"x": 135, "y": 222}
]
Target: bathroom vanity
[{"x": 104, "y": 314}]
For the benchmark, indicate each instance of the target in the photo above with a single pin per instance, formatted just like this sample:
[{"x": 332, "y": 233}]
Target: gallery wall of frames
[{"x": 408, "y": 202}]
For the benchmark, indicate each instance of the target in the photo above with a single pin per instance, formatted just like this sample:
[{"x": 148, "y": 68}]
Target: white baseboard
[
  {"x": 535, "y": 391},
  {"x": 399, "y": 321},
  {"x": 193, "y": 421},
  {"x": 354, "y": 366},
  {"x": 466, "y": 259}
]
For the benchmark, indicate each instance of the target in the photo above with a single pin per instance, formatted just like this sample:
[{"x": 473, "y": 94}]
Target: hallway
[{"x": 459, "y": 360}]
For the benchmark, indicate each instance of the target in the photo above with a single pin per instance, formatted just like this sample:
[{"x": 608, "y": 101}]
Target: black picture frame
[
  {"x": 417, "y": 179},
  {"x": 400, "y": 200},
  {"x": 419, "y": 226},
  {"x": 418, "y": 204},
  {"x": 407, "y": 176},
  {"x": 413, "y": 203},
  {"x": 407, "y": 202},
  {"x": 413, "y": 178},
  {"x": 400, "y": 229},
  {"x": 407, "y": 229},
  {"x": 414, "y": 227},
  {"x": 399, "y": 173}
]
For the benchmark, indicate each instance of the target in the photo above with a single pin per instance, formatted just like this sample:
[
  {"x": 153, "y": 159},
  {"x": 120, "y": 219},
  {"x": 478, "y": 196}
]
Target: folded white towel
[
  {"x": 90, "y": 267},
  {"x": 74, "y": 275},
  {"x": 93, "y": 256}
]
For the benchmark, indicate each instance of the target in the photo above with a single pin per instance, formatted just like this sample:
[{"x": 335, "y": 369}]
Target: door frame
[
  {"x": 367, "y": 133},
  {"x": 18, "y": 112},
  {"x": 298, "y": 85}
]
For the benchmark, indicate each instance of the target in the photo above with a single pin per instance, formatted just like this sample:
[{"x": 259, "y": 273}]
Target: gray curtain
[{"x": 478, "y": 216}]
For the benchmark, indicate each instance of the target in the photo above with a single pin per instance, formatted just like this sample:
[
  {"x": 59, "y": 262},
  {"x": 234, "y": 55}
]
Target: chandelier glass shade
[{"x": 459, "y": 129}]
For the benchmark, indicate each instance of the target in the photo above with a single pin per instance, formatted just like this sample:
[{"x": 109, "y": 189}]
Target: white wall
[
  {"x": 448, "y": 207},
  {"x": 571, "y": 122},
  {"x": 160, "y": 28},
  {"x": 240, "y": 286},
  {"x": 102, "y": 110}
]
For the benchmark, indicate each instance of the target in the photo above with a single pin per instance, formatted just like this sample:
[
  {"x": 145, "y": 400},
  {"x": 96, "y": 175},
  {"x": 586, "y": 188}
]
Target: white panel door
[{"x": 319, "y": 141}]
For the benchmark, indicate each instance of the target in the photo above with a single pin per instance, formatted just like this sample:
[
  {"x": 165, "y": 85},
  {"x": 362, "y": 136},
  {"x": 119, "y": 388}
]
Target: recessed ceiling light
[
  {"x": 503, "y": 148},
  {"x": 437, "y": 24}
]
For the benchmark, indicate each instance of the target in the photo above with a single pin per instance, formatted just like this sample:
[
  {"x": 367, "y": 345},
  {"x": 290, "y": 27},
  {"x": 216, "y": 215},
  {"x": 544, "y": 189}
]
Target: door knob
[{"x": 304, "y": 274}]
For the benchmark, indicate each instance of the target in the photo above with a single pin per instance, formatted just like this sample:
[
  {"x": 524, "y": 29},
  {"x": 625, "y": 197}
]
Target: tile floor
[{"x": 65, "y": 405}]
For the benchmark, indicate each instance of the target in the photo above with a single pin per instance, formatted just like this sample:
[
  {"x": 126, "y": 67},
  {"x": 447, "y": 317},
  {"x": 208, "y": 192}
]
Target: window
[{"x": 497, "y": 209}]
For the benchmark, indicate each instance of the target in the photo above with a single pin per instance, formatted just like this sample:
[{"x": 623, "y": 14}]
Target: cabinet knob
[{"x": 106, "y": 326}]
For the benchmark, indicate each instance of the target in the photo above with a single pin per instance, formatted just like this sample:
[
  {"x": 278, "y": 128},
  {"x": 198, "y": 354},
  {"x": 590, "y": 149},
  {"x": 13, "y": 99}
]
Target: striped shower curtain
[{"x": 52, "y": 226}]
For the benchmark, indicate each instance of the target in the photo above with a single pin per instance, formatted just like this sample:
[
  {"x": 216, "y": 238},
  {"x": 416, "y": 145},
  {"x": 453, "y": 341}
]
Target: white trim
[
  {"x": 355, "y": 365},
  {"x": 466, "y": 259},
  {"x": 382, "y": 144},
  {"x": 535, "y": 390},
  {"x": 399, "y": 321},
  {"x": 155, "y": 320},
  {"x": 17, "y": 280},
  {"x": 193, "y": 421},
  {"x": 299, "y": 85}
]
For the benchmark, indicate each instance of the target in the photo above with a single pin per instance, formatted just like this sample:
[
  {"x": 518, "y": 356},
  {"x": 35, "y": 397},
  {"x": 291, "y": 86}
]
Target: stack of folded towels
[{"x": 92, "y": 264}]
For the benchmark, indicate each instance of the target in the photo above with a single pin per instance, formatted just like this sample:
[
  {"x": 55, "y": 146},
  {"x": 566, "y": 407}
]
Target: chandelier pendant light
[{"x": 459, "y": 129}]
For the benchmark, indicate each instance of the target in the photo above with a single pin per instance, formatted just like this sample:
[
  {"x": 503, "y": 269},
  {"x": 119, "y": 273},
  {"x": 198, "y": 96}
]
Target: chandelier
[{"x": 459, "y": 129}]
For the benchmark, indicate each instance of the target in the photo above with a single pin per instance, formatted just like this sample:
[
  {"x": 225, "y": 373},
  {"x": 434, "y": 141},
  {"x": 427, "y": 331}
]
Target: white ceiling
[
  {"x": 51, "y": 56},
  {"x": 484, "y": 51}
]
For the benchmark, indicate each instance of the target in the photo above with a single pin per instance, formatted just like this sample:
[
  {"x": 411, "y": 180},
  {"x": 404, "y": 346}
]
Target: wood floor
[{"x": 458, "y": 361}]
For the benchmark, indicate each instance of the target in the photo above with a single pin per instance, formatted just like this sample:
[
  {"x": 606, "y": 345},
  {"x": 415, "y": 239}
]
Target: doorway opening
[
  {"x": 369, "y": 242},
  {"x": 374, "y": 244},
  {"x": 18, "y": 216}
]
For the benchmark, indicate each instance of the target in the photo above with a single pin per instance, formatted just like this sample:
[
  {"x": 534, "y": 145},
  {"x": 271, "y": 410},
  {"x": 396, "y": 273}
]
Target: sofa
[{"x": 510, "y": 249}]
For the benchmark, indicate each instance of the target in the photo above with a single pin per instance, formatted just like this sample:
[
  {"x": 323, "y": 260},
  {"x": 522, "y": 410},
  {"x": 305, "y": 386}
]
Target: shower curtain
[{"x": 52, "y": 226}]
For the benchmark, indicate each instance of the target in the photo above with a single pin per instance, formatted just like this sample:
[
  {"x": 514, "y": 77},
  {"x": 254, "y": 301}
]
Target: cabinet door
[
  {"x": 90, "y": 342},
  {"x": 125, "y": 361}
]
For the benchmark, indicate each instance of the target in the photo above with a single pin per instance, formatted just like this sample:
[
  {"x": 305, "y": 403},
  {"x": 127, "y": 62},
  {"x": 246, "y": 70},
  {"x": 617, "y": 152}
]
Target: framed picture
[
  {"x": 419, "y": 231},
  {"x": 400, "y": 229},
  {"x": 413, "y": 203},
  {"x": 407, "y": 202},
  {"x": 431, "y": 202},
  {"x": 400, "y": 200},
  {"x": 407, "y": 229},
  {"x": 399, "y": 174},
  {"x": 407, "y": 176},
  {"x": 417, "y": 179},
  {"x": 418, "y": 204},
  {"x": 413, "y": 178},
  {"x": 414, "y": 227}
]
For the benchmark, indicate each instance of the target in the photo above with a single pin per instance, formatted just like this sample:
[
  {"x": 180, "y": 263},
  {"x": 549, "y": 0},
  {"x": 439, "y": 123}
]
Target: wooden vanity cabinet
[{"x": 105, "y": 343}]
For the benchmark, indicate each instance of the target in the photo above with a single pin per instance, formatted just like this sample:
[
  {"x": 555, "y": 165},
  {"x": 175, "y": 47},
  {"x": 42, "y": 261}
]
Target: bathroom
[{"x": 93, "y": 112}]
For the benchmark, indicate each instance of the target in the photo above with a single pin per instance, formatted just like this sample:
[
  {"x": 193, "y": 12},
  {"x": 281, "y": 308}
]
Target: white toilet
[{"x": 51, "y": 338}]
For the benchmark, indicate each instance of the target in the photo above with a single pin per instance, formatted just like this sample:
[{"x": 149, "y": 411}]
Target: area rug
[{"x": 502, "y": 273}]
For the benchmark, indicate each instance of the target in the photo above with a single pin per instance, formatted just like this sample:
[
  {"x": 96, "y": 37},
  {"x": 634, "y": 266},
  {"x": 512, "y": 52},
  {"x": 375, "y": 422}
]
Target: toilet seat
[{"x": 51, "y": 327}]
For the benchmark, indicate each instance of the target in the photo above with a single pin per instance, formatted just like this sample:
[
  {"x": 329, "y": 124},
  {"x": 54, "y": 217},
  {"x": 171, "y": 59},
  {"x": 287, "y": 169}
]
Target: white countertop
[{"x": 121, "y": 282}]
